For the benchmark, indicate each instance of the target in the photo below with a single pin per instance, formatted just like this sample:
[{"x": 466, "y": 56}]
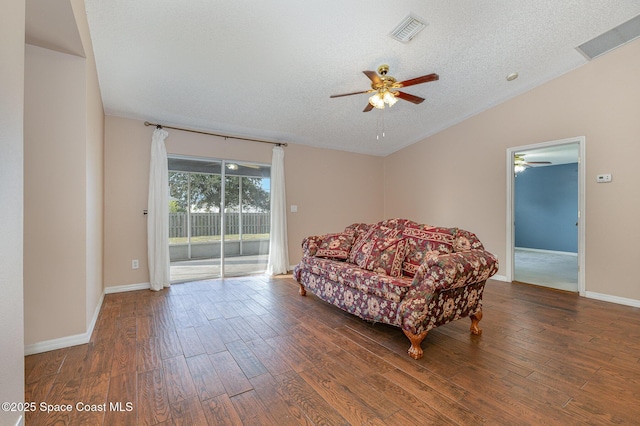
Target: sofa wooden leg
[
  {"x": 302, "y": 291},
  {"x": 415, "y": 351},
  {"x": 475, "y": 319}
]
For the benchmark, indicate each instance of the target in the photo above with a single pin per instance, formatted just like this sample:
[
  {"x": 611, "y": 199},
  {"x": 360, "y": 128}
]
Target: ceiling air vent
[
  {"x": 613, "y": 38},
  {"x": 407, "y": 29}
]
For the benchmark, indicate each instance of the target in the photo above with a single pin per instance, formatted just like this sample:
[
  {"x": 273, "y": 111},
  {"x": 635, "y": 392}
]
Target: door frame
[{"x": 510, "y": 252}]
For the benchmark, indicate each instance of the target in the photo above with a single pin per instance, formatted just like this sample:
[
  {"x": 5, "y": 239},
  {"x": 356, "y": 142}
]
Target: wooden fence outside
[{"x": 204, "y": 224}]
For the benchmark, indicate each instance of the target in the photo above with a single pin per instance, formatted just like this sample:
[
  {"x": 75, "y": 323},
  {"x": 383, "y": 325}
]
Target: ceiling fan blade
[
  {"x": 373, "y": 76},
  {"x": 410, "y": 98},
  {"x": 349, "y": 94},
  {"x": 368, "y": 108},
  {"x": 418, "y": 80}
]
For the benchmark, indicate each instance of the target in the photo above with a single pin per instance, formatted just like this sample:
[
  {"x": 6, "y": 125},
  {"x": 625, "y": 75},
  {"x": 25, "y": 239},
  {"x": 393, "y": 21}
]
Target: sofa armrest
[
  {"x": 422, "y": 307},
  {"x": 455, "y": 270}
]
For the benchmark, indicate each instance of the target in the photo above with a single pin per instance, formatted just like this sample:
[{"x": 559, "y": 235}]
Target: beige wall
[
  {"x": 126, "y": 171},
  {"x": 55, "y": 202},
  {"x": 94, "y": 169},
  {"x": 11, "y": 191},
  {"x": 332, "y": 189},
  {"x": 458, "y": 177},
  {"x": 63, "y": 201}
]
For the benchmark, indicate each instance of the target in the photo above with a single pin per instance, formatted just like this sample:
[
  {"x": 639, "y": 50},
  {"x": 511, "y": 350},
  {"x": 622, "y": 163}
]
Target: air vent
[
  {"x": 613, "y": 38},
  {"x": 407, "y": 29}
]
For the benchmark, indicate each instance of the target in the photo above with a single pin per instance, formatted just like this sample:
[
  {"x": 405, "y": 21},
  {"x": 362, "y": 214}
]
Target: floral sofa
[{"x": 413, "y": 276}]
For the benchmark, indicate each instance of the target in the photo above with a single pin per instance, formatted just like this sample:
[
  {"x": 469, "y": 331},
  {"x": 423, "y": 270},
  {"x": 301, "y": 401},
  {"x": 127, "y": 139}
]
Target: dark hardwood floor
[{"x": 252, "y": 351}]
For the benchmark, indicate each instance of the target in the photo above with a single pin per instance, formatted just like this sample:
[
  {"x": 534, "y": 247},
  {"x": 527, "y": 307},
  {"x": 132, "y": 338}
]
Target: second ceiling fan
[
  {"x": 519, "y": 160},
  {"x": 385, "y": 87}
]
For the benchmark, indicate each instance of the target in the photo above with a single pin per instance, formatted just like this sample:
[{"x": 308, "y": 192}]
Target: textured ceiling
[{"x": 266, "y": 69}]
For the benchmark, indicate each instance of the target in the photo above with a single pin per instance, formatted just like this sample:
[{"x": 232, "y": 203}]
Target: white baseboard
[
  {"x": 82, "y": 338},
  {"x": 59, "y": 343},
  {"x": 613, "y": 299},
  {"x": 64, "y": 342},
  {"x": 127, "y": 287},
  {"x": 499, "y": 278},
  {"x": 593, "y": 295},
  {"x": 96, "y": 313}
]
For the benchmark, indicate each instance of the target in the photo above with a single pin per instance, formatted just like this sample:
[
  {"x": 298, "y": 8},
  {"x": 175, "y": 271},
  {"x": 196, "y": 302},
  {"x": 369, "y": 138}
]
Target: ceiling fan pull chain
[
  {"x": 378, "y": 120},
  {"x": 383, "y": 124}
]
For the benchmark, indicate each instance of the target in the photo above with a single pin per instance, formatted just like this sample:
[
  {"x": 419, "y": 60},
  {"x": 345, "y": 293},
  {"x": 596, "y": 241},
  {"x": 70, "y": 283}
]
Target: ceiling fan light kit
[
  {"x": 381, "y": 87},
  {"x": 384, "y": 87},
  {"x": 381, "y": 98},
  {"x": 376, "y": 101},
  {"x": 389, "y": 98}
]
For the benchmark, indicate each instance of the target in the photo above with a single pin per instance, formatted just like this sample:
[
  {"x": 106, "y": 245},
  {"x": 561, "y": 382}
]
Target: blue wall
[{"x": 546, "y": 208}]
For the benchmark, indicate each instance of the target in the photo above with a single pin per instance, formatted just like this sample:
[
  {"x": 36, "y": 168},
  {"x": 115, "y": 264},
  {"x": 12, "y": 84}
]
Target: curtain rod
[{"x": 160, "y": 126}]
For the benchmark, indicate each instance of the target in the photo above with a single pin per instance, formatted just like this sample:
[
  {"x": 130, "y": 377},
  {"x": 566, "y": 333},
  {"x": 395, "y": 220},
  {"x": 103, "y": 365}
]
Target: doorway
[
  {"x": 545, "y": 214},
  {"x": 219, "y": 218}
]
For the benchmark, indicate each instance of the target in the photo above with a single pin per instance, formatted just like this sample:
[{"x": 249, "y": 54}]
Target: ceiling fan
[
  {"x": 520, "y": 164},
  {"x": 385, "y": 87}
]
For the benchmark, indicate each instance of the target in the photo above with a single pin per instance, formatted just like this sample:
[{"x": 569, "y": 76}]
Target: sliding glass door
[
  {"x": 246, "y": 218},
  {"x": 219, "y": 218}
]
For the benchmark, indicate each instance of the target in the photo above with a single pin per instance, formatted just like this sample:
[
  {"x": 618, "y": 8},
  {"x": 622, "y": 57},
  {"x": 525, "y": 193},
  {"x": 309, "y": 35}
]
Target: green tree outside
[{"x": 206, "y": 192}]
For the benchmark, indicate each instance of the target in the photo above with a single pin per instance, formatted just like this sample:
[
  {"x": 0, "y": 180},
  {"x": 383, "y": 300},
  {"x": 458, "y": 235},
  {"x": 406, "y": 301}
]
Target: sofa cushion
[
  {"x": 350, "y": 275},
  {"x": 335, "y": 246},
  {"x": 422, "y": 239}
]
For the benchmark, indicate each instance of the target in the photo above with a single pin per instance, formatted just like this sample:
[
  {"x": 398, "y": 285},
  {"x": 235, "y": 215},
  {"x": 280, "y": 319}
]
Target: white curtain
[
  {"x": 278, "y": 250},
  {"x": 158, "y": 213}
]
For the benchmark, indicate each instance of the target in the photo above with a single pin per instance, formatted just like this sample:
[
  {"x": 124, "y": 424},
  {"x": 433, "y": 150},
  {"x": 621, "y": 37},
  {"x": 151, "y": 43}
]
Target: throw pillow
[
  {"x": 362, "y": 245},
  {"x": 357, "y": 229},
  {"x": 386, "y": 256},
  {"x": 423, "y": 239},
  {"x": 335, "y": 246}
]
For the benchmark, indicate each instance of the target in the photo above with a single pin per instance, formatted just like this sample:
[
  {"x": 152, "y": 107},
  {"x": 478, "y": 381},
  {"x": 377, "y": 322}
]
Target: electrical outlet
[{"x": 134, "y": 264}]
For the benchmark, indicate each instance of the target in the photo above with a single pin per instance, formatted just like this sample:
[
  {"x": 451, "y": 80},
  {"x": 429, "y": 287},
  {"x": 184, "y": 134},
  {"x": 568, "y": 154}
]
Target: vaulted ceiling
[{"x": 266, "y": 69}]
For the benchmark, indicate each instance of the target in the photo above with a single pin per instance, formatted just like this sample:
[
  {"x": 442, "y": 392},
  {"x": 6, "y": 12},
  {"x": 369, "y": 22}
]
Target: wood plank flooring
[{"x": 251, "y": 351}]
